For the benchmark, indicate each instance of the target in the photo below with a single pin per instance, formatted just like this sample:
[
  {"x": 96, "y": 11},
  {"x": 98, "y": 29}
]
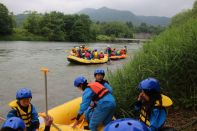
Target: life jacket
[
  {"x": 27, "y": 117},
  {"x": 166, "y": 102},
  {"x": 96, "y": 55},
  {"x": 98, "y": 89},
  {"x": 101, "y": 55},
  {"x": 87, "y": 54}
]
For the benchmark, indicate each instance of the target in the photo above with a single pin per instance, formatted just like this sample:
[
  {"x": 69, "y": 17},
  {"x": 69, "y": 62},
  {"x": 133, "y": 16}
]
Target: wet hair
[{"x": 154, "y": 96}]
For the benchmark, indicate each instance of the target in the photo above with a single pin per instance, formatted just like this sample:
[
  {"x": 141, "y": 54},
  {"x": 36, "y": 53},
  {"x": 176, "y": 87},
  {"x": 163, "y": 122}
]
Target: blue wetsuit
[{"x": 102, "y": 112}]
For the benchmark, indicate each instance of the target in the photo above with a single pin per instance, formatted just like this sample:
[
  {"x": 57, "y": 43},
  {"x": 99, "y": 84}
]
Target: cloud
[{"x": 139, "y": 7}]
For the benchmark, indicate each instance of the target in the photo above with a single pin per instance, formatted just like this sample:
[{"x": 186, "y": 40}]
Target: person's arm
[
  {"x": 106, "y": 85},
  {"x": 35, "y": 121},
  {"x": 48, "y": 121},
  {"x": 157, "y": 119},
  {"x": 86, "y": 100}
]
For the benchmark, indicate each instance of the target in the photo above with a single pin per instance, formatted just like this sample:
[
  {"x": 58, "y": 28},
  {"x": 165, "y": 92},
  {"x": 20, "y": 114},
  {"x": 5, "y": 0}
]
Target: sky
[{"x": 167, "y": 8}]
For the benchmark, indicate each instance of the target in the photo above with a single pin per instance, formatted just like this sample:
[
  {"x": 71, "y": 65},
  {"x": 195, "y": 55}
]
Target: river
[{"x": 21, "y": 61}]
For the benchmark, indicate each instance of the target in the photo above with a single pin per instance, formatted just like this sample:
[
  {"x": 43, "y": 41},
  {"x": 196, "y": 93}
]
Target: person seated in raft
[
  {"x": 125, "y": 49},
  {"x": 117, "y": 53},
  {"x": 17, "y": 124},
  {"x": 85, "y": 48},
  {"x": 74, "y": 51},
  {"x": 126, "y": 124},
  {"x": 113, "y": 53},
  {"x": 101, "y": 55},
  {"x": 122, "y": 52},
  {"x": 87, "y": 55},
  {"x": 95, "y": 54},
  {"x": 152, "y": 104},
  {"x": 23, "y": 109},
  {"x": 104, "y": 101},
  {"x": 79, "y": 53},
  {"x": 108, "y": 50}
]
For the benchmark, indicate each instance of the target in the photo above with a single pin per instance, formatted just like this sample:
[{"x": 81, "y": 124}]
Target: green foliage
[
  {"x": 180, "y": 18},
  {"x": 32, "y": 22},
  {"x": 195, "y": 7},
  {"x": 20, "y": 18},
  {"x": 117, "y": 29},
  {"x": 81, "y": 29},
  {"x": 171, "y": 58},
  {"x": 52, "y": 26},
  {"x": 104, "y": 38},
  {"x": 22, "y": 35},
  {"x": 6, "y": 21},
  {"x": 55, "y": 26},
  {"x": 144, "y": 28}
]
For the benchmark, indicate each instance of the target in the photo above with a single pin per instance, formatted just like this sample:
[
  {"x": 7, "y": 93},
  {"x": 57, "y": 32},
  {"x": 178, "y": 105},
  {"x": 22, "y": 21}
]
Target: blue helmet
[
  {"x": 23, "y": 93},
  {"x": 14, "y": 123},
  {"x": 150, "y": 84},
  {"x": 99, "y": 71},
  {"x": 126, "y": 124},
  {"x": 79, "y": 80}
]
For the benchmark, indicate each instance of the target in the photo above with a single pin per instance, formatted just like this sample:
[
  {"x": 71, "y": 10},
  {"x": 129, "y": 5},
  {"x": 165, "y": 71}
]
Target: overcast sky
[{"x": 139, "y": 7}]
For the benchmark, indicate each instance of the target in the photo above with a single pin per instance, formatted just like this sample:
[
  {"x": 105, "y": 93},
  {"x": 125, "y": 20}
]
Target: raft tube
[{"x": 77, "y": 60}]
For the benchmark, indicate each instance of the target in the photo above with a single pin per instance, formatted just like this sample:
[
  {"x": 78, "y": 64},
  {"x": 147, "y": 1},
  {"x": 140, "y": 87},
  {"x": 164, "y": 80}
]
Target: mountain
[{"x": 105, "y": 14}]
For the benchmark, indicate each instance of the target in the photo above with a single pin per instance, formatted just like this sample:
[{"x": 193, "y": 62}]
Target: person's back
[{"x": 104, "y": 102}]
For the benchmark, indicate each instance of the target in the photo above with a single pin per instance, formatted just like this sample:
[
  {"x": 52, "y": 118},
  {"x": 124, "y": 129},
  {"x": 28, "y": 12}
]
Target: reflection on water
[{"x": 20, "y": 64}]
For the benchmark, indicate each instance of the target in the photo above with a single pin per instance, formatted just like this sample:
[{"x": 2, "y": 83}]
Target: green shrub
[{"x": 171, "y": 58}]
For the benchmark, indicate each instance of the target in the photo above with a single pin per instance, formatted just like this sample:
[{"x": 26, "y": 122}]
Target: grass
[{"x": 171, "y": 58}]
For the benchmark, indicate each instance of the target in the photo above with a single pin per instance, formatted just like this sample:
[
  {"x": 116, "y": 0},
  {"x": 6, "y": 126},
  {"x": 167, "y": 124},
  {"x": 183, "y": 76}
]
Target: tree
[
  {"x": 32, "y": 22},
  {"x": 52, "y": 26},
  {"x": 6, "y": 21},
  {"x": 117, "y": 29},
  {"x": 81, "y": 29}
]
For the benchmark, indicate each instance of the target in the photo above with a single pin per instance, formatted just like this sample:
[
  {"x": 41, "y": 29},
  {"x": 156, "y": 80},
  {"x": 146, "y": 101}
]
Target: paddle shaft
[
  {"x": 46, "y": 97},
  {"x": 45, "y": 70}
]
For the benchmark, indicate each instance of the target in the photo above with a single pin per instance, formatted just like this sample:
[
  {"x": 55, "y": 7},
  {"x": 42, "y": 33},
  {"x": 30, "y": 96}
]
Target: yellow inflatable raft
[
  {"x": 78, "y": 60},
  {"x": 64, "y": 116}
]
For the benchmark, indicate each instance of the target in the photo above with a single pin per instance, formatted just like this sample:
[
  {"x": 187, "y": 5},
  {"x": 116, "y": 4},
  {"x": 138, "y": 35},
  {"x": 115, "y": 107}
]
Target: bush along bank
[{"x": 171, "y": 58}]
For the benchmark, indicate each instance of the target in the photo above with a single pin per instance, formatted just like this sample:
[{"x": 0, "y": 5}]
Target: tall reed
[{"x": 171, "y": 58}]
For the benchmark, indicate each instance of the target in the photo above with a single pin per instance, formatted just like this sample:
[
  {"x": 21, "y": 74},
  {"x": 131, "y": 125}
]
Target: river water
[{"x": 21, "y": 61}]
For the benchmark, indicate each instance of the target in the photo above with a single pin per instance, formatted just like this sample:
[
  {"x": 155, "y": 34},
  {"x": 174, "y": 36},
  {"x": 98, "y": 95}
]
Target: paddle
[{"x": 45, "y": 71}]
